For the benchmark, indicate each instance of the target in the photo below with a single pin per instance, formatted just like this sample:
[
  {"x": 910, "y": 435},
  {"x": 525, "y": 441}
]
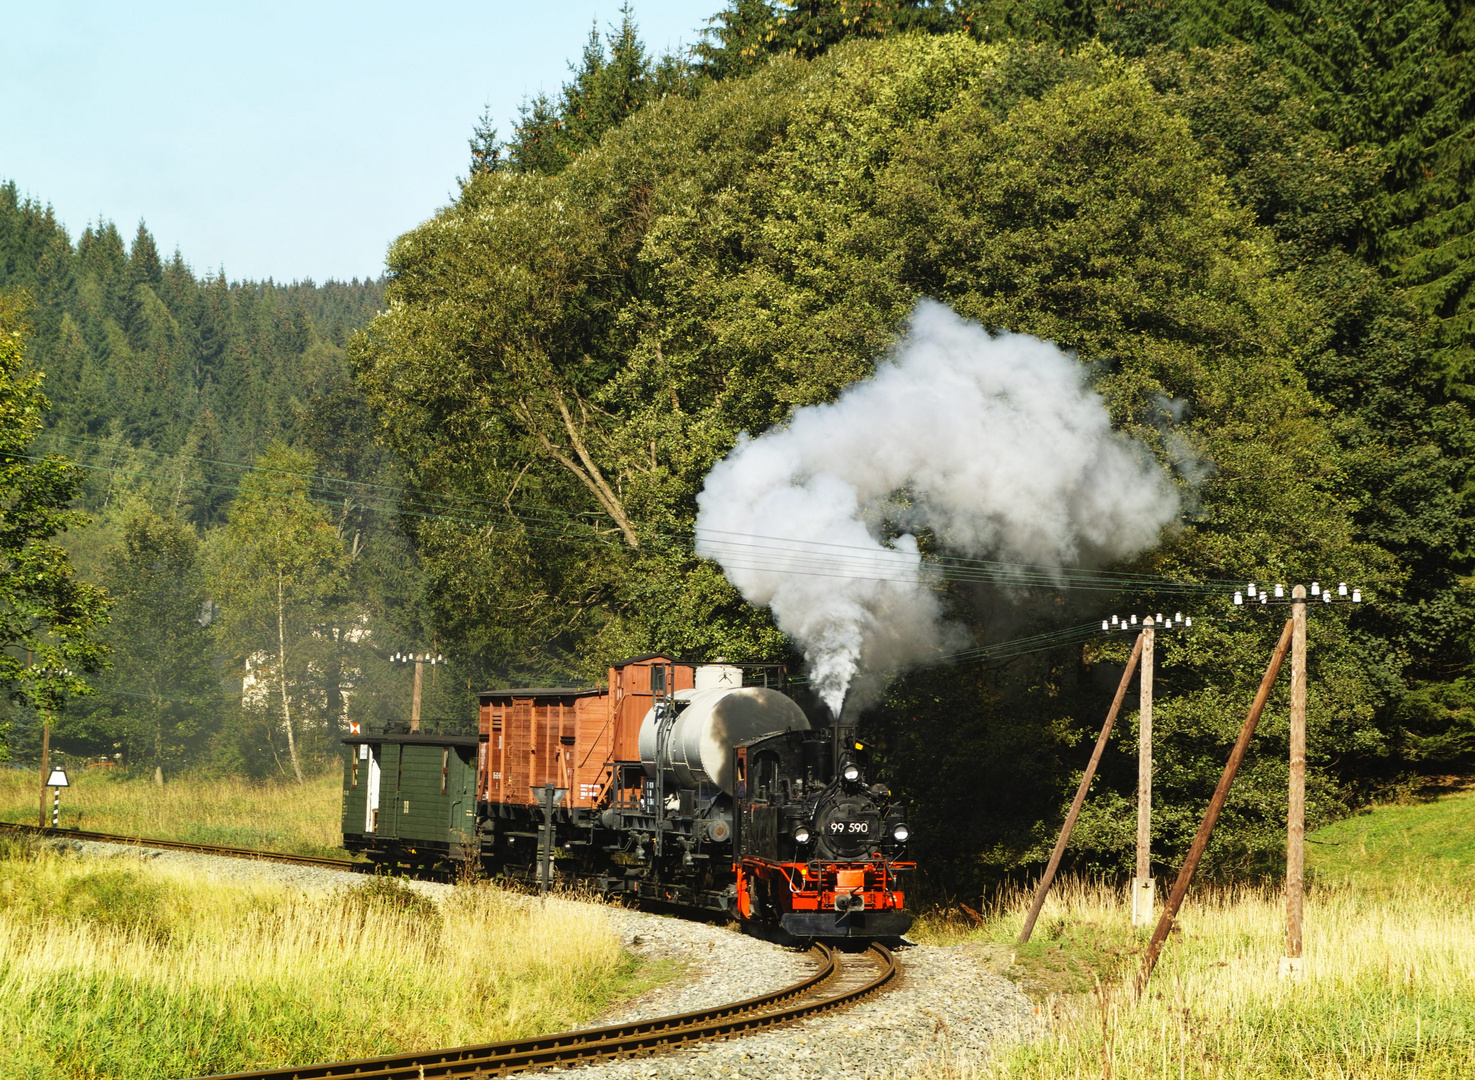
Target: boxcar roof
[
  {"x": 650, "y": 656},
  {"x": 544, "y": 691},
  {"x": 419, "y": 738}
]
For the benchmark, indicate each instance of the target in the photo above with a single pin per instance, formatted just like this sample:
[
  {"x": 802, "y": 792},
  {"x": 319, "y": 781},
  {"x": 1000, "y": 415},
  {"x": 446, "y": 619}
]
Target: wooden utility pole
[
  {"x": 45, "y": 761},
  {"x": 1292, "y": 964},
  {"x": 1142, "y": 884},
  {"x": 415, "y": 698},
  {"x": 419, "y": 660},
  {"x": 1075, "y": 807},
  {"x": 1211, "y": 816}
]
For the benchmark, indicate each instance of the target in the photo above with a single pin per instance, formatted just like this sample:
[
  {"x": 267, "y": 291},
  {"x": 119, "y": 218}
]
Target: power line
[{"x": 736, "y": 551}]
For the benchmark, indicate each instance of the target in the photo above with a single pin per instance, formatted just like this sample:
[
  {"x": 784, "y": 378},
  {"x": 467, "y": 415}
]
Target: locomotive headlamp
[
  {"x": 900, "y": 833},
  {"x": 801, "y": 835},
  {"x": 851, "y": 772}
]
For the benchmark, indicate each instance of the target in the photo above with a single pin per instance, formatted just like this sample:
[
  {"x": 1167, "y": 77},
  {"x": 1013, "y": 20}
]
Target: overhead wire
[{"x": 735, "y": 551}]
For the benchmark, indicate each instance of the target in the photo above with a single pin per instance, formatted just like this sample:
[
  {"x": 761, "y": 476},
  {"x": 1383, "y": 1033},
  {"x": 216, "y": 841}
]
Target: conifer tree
[
  {"x": 144, "y": 267},
  {"x": 486, "y": 148}
]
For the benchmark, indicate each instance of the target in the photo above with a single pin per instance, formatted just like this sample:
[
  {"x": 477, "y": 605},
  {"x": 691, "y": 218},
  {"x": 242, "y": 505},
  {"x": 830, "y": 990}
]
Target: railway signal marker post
[
  {"x": 1142, "y": 884},
  {"x": 56, "y": 781}
]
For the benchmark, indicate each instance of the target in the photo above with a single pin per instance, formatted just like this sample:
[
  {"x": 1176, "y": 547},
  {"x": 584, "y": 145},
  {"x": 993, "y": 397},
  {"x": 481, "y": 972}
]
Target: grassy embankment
[
  {"x": 1389, "y": 944},
  {"x": 123, "y": 968},
  {"x": 267, "y": 815}
]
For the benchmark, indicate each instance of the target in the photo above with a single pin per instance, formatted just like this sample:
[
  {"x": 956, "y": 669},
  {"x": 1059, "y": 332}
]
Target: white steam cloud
[{"x": 997, "y": 444}]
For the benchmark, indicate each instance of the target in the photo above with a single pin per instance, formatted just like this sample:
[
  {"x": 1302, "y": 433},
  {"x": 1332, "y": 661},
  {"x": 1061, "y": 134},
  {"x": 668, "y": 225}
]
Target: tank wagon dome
[{"x": 709, "y": 724}]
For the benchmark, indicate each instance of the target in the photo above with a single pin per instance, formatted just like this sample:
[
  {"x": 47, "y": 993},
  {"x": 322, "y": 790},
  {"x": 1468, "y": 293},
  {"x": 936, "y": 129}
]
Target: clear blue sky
[{"x": 274, "y": 139}]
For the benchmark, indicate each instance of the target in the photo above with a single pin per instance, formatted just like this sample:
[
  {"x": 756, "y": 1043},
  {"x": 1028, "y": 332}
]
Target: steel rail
[
  {"x": 184, "y": 845},
  {"x": 593, "y": 1044}
]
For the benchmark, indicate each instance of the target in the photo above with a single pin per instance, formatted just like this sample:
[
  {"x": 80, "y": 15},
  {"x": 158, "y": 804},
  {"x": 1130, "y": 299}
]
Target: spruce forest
[{"x": 1251, "y": 221}]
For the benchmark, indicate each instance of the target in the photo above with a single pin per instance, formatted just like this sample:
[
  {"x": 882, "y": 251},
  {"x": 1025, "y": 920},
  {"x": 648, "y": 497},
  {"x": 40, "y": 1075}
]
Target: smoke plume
[{"x": 993, "y": 442}]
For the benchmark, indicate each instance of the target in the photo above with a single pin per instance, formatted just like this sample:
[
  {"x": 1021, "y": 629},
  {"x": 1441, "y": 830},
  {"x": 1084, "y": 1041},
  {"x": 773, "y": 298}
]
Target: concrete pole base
[
  {"x": 1293, "y": 968},
  {"x": 1144, "y": 893}
]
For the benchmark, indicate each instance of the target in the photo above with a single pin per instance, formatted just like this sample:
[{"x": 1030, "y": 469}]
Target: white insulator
[
  {"x": 1341, "y": 588},
  {"x": 1280, "y": 590},
  {"x": 1238, "y": 598},
  {"x": 1105, "y": 625},
  {"x": 1315, "y": 589},
  {"x": 1357, "y": 596},
  {"x": 1250, "y": 590}
]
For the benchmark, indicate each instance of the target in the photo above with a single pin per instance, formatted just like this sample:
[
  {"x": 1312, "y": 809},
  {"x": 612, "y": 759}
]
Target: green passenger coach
[{"x": 410, "y": 793}]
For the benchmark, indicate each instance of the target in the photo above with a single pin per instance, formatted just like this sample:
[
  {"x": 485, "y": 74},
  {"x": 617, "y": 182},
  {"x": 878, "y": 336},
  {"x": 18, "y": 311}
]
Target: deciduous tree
[{"x": 278, "y": 569}]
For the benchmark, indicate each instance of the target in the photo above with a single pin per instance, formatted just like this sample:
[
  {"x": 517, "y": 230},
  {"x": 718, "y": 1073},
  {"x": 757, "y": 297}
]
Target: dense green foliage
[
  {"x": 606, "y": 89},
  {"x": 138, "y": 350},
  {"x": 160, "y": 700},
  {"x": 1391, "y": 77},
  {"x": 1250, "y": 221},
  {"x": 168, "y": 390},
  {"x": 571, "y": 353},
  {"x": 48, "y": 618}
]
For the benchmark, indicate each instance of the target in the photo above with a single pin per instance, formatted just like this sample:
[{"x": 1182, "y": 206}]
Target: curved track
[
  {"x": 182, "y": 845},
  {"x": 832, "y": 985}
]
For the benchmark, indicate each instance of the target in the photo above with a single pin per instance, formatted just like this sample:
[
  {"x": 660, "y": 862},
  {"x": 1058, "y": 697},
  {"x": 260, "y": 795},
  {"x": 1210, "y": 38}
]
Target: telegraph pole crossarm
[{"x": 419, "y": 660}]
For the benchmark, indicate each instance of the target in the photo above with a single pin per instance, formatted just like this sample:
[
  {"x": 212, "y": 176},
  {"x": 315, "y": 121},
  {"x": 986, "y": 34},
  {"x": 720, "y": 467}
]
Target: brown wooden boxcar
[{"x": 571, "y": 737}]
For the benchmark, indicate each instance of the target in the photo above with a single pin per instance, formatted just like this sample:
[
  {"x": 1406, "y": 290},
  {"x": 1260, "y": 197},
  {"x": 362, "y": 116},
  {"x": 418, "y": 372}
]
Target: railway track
[
  {"x": 834, "y": 984},
  {"x": 182, "y": 845}
]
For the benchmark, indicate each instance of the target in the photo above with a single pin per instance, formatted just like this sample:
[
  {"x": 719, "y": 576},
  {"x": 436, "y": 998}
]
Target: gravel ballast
[{"x": 946, "y": 1009}]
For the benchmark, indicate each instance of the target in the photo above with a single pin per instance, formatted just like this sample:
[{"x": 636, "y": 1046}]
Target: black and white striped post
[{"x": 56, "y": 781}]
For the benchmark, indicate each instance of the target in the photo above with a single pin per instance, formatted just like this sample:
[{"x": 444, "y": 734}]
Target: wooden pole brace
[
  {"x": 1075, "y": 807},
  {"x": 1211, "y": 816}
]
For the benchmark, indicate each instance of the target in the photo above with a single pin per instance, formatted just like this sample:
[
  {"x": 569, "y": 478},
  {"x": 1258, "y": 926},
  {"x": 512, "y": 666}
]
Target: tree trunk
[
  {"x": 282, "y": 678},
  {"x": 588, "y": 473}
]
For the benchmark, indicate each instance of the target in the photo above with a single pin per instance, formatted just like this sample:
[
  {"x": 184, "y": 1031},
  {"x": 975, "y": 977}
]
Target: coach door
[{"x": 371, "y": 795}]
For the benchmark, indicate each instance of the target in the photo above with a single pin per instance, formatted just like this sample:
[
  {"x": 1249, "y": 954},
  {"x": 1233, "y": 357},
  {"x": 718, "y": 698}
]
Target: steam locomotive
[{"x": 696, "y": 785}]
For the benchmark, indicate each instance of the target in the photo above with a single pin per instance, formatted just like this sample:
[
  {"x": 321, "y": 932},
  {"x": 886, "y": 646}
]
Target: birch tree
[{"x": 279, "y": 566}]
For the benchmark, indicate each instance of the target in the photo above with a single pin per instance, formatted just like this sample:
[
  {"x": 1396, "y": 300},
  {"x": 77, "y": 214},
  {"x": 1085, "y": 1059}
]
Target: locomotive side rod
[{"x": 1080, "y": 799}]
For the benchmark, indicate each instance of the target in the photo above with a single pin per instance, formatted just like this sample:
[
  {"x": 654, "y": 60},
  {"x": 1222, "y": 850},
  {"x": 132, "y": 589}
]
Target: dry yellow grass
[
  {"x": 268, "y": 815},
  {"x": 1390, "y": 990},
  {"x": 123, "y": 968}
]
